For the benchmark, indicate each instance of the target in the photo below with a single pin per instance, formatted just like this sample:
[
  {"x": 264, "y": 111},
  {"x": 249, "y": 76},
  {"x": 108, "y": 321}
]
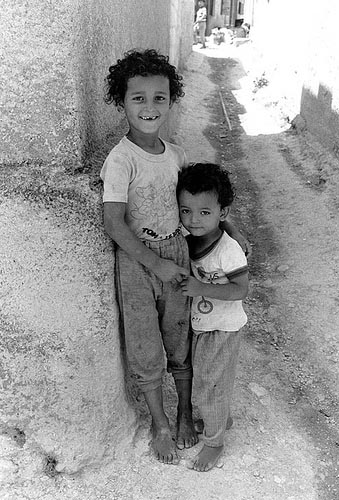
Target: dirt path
[
  {"x": 284, "y": 444},
  {"x": 288, "y": 201}
]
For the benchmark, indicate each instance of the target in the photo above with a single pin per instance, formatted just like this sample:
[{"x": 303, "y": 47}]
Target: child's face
[
  {"x": 201, "y": 213},
  {"x": 147, "y": 103}
]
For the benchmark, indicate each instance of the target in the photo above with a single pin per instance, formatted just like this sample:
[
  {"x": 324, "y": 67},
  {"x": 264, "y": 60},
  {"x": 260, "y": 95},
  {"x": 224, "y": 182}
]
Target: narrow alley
[{"x": 284, "y": 443}]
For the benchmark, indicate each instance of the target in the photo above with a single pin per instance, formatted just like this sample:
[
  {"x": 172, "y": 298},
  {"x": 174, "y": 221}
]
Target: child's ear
[
  {"x": 224, "y": 213},
  {"x": 120, "y": 108},
  {"x": 171, "y": 104}
]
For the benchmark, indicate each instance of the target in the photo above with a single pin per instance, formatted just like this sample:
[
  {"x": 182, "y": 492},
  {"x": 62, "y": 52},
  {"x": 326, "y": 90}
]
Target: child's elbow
[
  {"x": 107, "y": 222},
  {"x": 109, "y": 227}
]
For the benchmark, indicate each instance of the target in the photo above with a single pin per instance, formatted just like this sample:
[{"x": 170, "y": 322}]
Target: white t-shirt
[
  {"x": 201, "y": 14},
  {"x": 226, "y": 259},
  {"x": 147, "y": 184}
]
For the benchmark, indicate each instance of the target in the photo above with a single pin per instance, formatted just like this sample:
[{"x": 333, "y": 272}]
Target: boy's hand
[
  {"x": 167, "y": 270},
  {"x": 191, "y": 287}
]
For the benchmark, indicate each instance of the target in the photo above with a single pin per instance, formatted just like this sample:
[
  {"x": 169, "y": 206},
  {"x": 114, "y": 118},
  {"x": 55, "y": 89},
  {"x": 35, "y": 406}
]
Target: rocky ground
[{"x": 284, "y": 444}]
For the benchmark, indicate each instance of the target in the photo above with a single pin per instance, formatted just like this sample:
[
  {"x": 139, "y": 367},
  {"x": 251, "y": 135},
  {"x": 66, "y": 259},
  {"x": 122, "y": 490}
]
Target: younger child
[
  {"x": 218, "y": 285},
  {"x": 141, "y": 215}
]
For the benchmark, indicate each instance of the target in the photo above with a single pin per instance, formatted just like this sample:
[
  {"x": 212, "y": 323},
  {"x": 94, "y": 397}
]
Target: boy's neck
[
  {"x": 149, "y": 143},
  {"x": 200, "y": 243}
]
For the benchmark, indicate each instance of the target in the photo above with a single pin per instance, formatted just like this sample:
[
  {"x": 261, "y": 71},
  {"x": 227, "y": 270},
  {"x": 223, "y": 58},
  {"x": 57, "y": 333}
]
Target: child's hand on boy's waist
[{"x": 167, "y": 270}]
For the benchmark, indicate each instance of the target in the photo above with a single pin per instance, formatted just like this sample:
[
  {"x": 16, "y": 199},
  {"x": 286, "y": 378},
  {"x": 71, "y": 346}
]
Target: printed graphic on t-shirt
[
  {"x": 155, "y": 205},
  {"x": 205, "y": 306},
  {"x": 217, "y": 276}
]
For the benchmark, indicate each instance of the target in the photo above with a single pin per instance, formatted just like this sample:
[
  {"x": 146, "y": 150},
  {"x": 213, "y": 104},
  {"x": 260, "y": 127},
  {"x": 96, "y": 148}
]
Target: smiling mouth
[{"x": 149, "y": 118}]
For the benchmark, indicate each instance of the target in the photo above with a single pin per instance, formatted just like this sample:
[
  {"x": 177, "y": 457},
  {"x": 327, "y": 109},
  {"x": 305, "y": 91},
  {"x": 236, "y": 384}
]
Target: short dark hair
[
  {"x": 141, "y": 63},
  {"x": 202, "y": 177}
]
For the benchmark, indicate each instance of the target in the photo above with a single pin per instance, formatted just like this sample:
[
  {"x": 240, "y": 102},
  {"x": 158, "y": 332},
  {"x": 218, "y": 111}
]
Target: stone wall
[{"x": 63, "y": 395}]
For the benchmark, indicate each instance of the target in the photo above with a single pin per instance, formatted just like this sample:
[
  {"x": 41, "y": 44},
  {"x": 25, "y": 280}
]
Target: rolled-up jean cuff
[
  {"x": 213, "y": 443},
  {"x": 182, "y": 374},
  {"x": 149, "y": 386}
]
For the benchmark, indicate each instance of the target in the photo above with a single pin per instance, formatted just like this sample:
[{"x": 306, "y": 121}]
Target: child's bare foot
[
  {"x": 206, "y": 459},
  {"x": 186, "y": 433},
  {"x": 164, "y": 446}
]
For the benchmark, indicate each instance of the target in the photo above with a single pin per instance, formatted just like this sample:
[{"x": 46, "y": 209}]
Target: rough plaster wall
[
  {"x": 61, "y": 378},
  {"x": 54, "y": 58},
  {"x": 181, "y": 22},
  {"x": 63, "y": 393},
  {"x": 320, "y": 95},
  {"x": 303, "y": 47},
  {"x": 38, "y": 109}
]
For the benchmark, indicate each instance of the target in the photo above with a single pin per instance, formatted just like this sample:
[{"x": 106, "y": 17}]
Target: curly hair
[
  {"x": 140, "y": 63},
  {"x": 202, "y": 177}
]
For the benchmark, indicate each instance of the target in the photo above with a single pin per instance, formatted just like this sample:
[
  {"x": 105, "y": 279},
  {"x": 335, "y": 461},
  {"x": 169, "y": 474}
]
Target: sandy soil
[{"x": 284, "y": 444}]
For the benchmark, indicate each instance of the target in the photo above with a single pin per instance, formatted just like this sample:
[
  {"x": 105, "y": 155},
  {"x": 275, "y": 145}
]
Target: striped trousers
[{"x": 215, "y": 356}]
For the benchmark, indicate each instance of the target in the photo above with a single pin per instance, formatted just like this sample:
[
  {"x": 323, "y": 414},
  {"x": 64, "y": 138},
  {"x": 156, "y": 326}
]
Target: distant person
[
  {"x": 141, "y": 216},
  {"x": 218, "y": 286},
  {"x": 246, "y": 27},
  {"x": 199, "y": 27}
]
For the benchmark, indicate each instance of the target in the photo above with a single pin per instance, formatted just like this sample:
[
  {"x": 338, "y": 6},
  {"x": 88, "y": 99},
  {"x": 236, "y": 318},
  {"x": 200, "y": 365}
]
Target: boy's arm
[
  {"x": 236, "y": 289},
  {"x": 117, "y": 229},
  {"x": 234, "y": 233}
]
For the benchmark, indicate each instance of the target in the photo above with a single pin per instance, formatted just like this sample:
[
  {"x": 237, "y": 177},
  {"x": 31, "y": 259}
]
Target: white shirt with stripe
[{"x": 225, "y": 260}]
